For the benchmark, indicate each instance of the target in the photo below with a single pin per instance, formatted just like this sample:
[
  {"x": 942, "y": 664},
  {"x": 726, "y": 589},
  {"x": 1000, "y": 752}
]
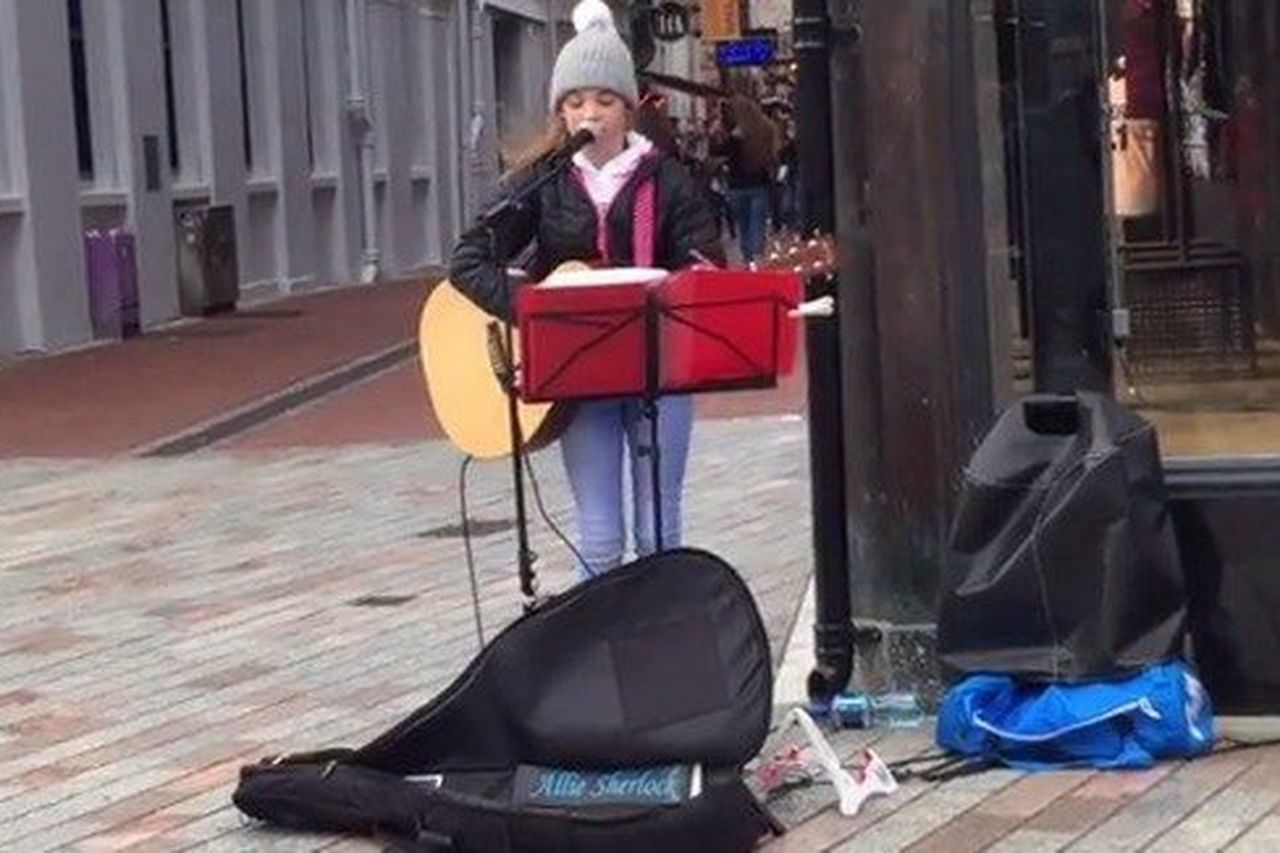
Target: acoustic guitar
[{"x": 456, "y": 343}]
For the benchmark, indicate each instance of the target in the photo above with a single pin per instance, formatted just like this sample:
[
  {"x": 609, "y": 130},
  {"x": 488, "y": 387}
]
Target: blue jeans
[
  {"x": 592, "y": 448},
  {"x": 750, "y": 206}
]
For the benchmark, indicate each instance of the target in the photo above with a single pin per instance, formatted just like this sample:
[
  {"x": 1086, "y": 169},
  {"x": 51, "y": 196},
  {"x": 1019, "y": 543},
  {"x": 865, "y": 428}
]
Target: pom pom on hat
[
  {"x": 595, "y": 58},
  {"x": 592, "y": 13}
]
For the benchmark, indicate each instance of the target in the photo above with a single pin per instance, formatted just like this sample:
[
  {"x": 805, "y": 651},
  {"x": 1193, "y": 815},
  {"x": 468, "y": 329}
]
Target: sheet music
[{"x": 596, "y": 278}]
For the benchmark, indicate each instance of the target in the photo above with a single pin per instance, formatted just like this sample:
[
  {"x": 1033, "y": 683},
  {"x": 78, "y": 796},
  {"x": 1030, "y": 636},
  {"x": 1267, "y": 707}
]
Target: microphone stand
[{"x": 505, "y": 206}]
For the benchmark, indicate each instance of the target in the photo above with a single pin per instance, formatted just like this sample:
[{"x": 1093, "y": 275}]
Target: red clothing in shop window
[
  {"x": 1246, "y": 150},
  {"x": 1143, "y": 66}
]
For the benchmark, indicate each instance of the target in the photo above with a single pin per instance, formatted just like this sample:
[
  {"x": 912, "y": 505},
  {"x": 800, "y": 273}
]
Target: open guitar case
[{"x": 664, "y": 661}]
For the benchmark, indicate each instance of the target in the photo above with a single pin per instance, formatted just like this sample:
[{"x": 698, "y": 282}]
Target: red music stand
[{"x": 696, "y": 331}]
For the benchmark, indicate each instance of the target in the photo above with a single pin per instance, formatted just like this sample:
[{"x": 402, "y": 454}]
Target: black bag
[
  {"x": 1065, "y": 566},
  {"x": 663, "y": 661},
  {"x": 1225, "y": 512}
]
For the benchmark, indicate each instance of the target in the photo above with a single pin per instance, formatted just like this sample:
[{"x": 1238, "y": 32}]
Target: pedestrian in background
[{"x": 749, "y": 143}]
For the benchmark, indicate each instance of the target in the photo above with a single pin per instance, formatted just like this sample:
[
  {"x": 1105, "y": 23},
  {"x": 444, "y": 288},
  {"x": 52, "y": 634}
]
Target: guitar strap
[{"x": 643, "y": 222}]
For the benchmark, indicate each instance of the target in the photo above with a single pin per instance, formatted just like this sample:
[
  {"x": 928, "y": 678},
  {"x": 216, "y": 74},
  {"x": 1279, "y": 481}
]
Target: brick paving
[
  {"x": 166, "y": 619},
  {"x": 393, "y": 408}
]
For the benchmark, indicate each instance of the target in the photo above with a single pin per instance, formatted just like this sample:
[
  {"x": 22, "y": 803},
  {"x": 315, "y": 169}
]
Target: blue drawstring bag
[{"x": 1160, "y": 712}]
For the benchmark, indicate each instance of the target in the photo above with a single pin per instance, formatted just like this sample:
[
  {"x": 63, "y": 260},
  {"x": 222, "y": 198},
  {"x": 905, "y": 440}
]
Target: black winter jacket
[{"x": 560, "y": 221}]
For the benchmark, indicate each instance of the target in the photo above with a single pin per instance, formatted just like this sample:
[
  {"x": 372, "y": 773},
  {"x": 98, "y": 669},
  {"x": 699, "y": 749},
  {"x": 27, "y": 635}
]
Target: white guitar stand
[{"x": 875, "y": 776}]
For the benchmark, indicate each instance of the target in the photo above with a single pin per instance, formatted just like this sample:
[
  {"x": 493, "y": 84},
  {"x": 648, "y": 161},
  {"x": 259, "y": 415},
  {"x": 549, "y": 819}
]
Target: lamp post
[{"x": 833, "y": 628}]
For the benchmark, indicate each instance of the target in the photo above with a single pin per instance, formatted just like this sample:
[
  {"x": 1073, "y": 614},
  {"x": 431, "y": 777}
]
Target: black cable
[
  {"x": 1234, "y": 744},
  {"x": 918, "y": 759},
  {"x": 546, "y": 517},
  {"x": 466, "y": 543},
  {"x": 947, "y": 771}
]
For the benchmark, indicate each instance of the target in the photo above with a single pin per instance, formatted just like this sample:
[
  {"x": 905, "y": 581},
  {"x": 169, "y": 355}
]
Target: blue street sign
[{"x": 757, "y": 50}]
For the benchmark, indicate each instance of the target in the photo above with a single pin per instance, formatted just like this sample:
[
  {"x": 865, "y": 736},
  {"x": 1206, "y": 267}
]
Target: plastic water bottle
[
  {"x": 851, "y": 710},
  {"x": 896, "y": 710}
]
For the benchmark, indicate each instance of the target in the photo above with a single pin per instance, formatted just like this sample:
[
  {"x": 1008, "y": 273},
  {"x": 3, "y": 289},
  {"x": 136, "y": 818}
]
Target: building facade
[{"x": 350, "y": 138}]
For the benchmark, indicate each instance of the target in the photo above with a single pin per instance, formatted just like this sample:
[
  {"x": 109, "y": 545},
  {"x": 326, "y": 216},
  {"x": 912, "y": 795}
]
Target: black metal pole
[
  {"x": 524, "y": 555},
  {"x": 651, "y": 393},
  {"x": 833, "y": 627}
]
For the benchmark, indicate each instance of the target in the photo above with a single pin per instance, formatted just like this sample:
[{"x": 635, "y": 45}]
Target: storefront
[{"x": 1055, "y": 195}]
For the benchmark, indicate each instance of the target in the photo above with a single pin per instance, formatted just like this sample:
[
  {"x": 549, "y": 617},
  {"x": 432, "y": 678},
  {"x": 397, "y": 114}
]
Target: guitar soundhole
[{"x": 477, "y": 527}]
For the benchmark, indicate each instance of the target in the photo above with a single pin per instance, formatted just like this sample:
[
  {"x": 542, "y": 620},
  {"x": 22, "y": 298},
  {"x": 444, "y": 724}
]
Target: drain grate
[
  {"x": 381, "y": 600},
  {"x": 479, "y": 527}
]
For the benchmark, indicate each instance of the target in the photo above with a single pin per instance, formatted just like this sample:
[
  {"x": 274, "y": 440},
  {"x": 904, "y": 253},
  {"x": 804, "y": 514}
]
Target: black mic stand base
[
  {"x": 650, "y": 410},
  {"x": 525, "y": 558}
]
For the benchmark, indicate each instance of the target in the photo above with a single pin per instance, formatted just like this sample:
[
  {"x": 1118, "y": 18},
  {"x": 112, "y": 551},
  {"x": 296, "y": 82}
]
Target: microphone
[{"x": 581, "y": 138}]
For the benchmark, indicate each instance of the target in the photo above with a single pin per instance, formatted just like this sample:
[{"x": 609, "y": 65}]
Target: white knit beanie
[{"x": 595, "y": 58}]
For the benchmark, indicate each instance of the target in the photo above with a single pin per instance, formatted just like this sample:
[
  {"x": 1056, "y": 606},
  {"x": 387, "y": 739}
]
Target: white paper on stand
[{"x": 611, "y": 276}]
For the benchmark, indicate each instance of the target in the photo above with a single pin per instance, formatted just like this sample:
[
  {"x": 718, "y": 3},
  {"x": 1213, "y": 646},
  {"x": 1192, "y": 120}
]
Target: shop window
[
  {"x": 185, "y": 128},
  {"x": 246, "y": 111},
  {"x": 170, "y": 110},
  {"x": 80, "y": 90},
  {"x": 306, "y": 82},
  {"x": 508, "y": 87},
  {"x": 1196, "y": 204}
]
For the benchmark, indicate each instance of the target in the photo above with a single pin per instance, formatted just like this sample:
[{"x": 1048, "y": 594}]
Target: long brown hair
[
  {"x": 533, "y": 147},
  {"x": 530, "y": 148},
  {"x": 760, "y": 138}
]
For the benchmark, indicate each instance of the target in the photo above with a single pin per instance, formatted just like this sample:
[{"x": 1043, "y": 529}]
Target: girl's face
[{"x": 605, "y": 112}]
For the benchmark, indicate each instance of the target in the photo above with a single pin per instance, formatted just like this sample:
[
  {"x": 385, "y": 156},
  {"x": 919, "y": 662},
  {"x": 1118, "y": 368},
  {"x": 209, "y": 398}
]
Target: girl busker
[{"x": 618, "y": 188}]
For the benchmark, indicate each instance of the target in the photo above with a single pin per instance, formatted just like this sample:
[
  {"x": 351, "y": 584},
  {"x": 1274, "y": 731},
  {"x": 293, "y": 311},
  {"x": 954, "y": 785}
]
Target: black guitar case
[{"x": 663, "y": 661}]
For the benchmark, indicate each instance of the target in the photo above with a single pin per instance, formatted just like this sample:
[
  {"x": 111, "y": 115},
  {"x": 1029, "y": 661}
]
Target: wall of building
[
  {"x": 41, "y": 207},
  {"x": 255, "y": 105}
]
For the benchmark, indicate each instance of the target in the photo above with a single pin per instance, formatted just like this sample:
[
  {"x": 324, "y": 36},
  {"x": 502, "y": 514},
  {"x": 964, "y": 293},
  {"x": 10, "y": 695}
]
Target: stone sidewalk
[{"x": 165, "y": 620}]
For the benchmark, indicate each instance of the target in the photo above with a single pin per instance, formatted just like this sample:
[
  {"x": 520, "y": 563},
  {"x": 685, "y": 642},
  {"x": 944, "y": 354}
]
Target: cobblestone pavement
[{"x": 165, "y": 620}]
